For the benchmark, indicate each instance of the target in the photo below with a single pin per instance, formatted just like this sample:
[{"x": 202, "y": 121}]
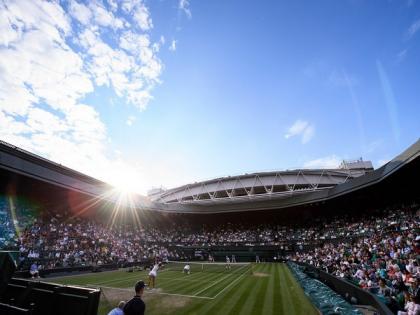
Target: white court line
[
  {"x": 216, "y": 282},
  {"x": 163, "y": 293},
  {"x": 230, "y": 284}
]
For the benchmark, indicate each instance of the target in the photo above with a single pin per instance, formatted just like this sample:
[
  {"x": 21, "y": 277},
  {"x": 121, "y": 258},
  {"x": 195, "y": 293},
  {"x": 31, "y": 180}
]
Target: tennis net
[{"x": 208, "y": 267}]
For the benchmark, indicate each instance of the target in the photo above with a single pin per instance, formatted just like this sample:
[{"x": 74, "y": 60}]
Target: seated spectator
[
  {"x": 383, "y": 288},
  {"x": 412, "y": 307},
  {"x": 34, "y": 271}
]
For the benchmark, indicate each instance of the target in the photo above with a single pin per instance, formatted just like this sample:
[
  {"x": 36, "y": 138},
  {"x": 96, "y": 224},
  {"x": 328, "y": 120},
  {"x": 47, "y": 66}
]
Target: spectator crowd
[
  {"x": 378, "y": 252},
  {"x": 385, "y": 261}
]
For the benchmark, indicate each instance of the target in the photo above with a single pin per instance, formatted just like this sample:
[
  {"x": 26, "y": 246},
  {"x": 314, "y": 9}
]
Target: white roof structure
[{"x": 262, "y": 185}]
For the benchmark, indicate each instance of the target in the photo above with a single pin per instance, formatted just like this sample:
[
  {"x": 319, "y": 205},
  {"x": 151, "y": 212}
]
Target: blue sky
[{"x": 150, "y": 93}]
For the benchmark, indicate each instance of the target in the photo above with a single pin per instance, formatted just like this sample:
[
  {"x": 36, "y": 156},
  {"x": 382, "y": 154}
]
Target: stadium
[{"x": 287, "y": 242}]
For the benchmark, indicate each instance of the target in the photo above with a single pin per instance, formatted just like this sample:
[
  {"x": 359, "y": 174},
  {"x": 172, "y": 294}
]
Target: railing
[{"x": 347, "y": 290}]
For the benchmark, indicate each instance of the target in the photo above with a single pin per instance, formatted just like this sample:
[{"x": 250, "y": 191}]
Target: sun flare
[{"x": 126, "y": 184}]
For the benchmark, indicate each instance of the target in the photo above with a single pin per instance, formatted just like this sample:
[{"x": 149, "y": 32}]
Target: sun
[
  {"x": 126, "y": 184},
  {"x": 124, "y": 196}
]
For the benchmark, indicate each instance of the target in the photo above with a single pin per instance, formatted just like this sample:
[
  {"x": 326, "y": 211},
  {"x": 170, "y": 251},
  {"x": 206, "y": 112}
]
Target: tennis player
[
  {"x": 187, "y": 269},
  {"x": 227, "y": 262},
  {"x": 152, "y": 276}
]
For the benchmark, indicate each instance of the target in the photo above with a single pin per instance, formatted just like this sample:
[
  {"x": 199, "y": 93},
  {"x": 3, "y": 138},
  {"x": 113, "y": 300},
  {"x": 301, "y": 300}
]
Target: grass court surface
[{"x": 267, "y": 288}]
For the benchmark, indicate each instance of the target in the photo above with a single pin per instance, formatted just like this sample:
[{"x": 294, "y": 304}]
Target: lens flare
[{"x": 14, "y": 215}]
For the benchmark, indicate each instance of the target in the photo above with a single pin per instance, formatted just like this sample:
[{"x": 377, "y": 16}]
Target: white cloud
[
  {"x": 141, "y": 14},
  {"x": 328, "y": 162},
  {"x": 184, "y": 5},
  {"x": 133, "y": 70},
  {"x": 130, "y": 120},
  {"x": 80, "y": 12},
  {"x": 130, "y": 41},
  {"x": 413, "y": 29},
  {"x": 308, "y": 134},
  {"x": 104, "y": 17},
  {"x": 47, "y": 68},
  {"x": 172, "y": 47},
  {"x": 303, "y": 129},
  {"x": 113, "y": 4}
]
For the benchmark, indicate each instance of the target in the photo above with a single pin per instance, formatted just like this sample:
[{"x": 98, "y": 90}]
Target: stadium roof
[
  {"x": 26, "y": 164},
  {"x": 260, "y": 185},
  {"x": 301, "y": 198}
]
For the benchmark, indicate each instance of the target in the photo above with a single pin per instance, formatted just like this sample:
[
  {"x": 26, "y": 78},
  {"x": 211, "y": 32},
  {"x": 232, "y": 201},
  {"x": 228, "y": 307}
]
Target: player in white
[
  {"x": 186, "y": 269},
  {"x": 153, "y": 275},
  {"x": 227, "y": 262}
]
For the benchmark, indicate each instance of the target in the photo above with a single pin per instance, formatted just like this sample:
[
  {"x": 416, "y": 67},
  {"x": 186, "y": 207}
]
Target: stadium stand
[{"x": 377, "y": 251}]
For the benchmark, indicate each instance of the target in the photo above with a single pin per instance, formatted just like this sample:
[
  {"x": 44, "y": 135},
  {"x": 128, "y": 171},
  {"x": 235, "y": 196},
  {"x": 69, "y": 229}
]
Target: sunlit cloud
[
  {"x": 327, "y": 162},
  {"x": 52, "y": 56},
  {"x": 172, "y": 47},
  {"x": 303, "y": 129},
  {"x": 184, "y": 5},
  {"x": 130, "y": 120}
]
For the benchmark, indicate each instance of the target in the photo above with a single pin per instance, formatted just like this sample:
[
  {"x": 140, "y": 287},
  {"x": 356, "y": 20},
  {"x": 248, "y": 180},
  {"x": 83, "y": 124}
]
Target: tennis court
[{"x": 208, "y": 289}]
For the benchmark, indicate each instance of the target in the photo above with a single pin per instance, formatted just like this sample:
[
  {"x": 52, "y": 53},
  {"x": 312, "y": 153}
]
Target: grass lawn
[{"x": 267, "y": 288}]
